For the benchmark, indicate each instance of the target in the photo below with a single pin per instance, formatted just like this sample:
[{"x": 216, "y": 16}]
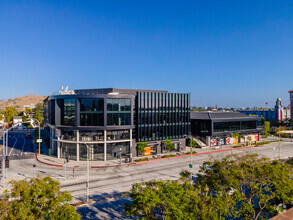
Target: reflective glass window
[
  {"x": 92, "y": 112},
  {"x": 68, "y": 112}
]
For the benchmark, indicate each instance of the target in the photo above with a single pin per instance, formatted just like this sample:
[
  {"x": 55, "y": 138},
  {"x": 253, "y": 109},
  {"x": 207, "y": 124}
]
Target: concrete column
[
  {"x": 130, "y": 143},
  {"x": 77, "y": 146},
  {"x": 105, "y": 145},
  {"x": 58, "y": 149},
  {"x": 58, "y": 143}
]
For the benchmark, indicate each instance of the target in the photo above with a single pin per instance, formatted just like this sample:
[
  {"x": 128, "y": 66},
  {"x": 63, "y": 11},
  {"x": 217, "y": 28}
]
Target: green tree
[
  {"x": 23, "y": 117},
  {"x": 254, "y": 183},
  {"x": 193, "y": 142},
  {"x": 194, "y": 109},
  {"x": 262, "y": 119},
  {"x": 178, "y": 199},
  {"x": 27, "y": 110},
  {"x": 40, "y": 198},
  {"x": 1, "y": 117},
  {"x": 280, "y": 129},
  {"x": 169, "y": 145},
  {"x": 266, "y": 130},
  {"x": 141, "y": 146},
  {"x": 9, "y": 113},
  {"x": 39, "y": 112}
]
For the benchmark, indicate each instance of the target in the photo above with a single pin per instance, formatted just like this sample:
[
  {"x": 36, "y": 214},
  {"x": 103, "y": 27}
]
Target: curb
[
  {"x": 50, "y": 164},
  {"x": 150, "y": 161},
  {"x": 188, "y": 155}
]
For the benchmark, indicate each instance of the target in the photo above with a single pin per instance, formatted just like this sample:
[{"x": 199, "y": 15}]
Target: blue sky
[{"x": 226, "y": 53}]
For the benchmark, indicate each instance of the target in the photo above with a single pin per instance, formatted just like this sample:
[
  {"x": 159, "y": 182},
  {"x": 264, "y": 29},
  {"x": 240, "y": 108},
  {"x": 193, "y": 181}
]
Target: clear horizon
[{"x": 229, "y": 54}]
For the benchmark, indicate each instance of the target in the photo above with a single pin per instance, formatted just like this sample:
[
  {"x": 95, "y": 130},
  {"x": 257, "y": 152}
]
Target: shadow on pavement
[{"x": 105, "y": 206}]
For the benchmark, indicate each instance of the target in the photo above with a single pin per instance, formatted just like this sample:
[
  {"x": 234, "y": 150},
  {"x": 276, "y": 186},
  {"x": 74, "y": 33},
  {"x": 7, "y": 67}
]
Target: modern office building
[
  {"x": 217, "y": 128},
  {"x": 112, "y": 121}
]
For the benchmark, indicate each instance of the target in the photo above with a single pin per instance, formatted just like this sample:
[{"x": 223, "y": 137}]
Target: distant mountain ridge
[{"x": 19, "y": 102}]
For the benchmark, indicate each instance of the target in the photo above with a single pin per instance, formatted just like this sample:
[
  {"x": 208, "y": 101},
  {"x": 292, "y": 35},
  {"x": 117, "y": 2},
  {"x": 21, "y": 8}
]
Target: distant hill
[{"x": 19, "y": 102}]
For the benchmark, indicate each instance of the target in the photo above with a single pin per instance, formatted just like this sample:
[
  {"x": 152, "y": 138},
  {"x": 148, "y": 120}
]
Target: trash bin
[
  {"x": 130, "y": 160},
  {"x": 126, "y": 160}
]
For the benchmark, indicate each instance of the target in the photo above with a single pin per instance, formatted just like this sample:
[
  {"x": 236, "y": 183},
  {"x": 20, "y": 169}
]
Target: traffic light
[{"x": 7, "y": 161}]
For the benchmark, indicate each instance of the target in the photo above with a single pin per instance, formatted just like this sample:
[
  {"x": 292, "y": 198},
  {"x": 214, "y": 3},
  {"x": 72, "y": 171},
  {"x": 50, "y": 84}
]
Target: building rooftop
[
  {"x": 113, "y": 90},
  {"x": 221, "y": 116}
]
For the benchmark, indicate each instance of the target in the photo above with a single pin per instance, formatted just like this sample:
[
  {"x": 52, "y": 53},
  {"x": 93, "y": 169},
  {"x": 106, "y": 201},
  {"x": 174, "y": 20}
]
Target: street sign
[
  {"x": 39, "y": 140},
  {"x": 190, "y": 165}
]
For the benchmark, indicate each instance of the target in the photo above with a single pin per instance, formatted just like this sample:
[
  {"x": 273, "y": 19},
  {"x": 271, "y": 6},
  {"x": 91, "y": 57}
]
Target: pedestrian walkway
[{"x": 59, "y": 162}]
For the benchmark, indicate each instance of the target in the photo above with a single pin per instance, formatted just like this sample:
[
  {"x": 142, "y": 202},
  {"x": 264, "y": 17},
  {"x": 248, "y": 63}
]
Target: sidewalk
[{"x": 59, "y": 162}]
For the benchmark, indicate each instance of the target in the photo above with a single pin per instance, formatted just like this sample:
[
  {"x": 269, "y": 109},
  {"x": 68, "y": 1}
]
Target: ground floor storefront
[
  {"x": 104, "y": 145},
  {"x": 219, "y": 140}
]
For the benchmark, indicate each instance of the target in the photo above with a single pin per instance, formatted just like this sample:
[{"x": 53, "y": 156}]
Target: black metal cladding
[{"x": 162, "y": 116}]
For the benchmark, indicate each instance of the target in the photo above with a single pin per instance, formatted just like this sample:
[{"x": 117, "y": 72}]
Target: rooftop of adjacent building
[
  {"x": 221, "y": 115},
  {"x": 114, "y": 91}
]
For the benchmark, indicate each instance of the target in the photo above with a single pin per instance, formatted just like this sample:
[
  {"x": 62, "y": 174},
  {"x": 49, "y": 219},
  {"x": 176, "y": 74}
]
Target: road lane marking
[
  {"x": 13, "y": 147},
  {"x": 24, "y": 141}
]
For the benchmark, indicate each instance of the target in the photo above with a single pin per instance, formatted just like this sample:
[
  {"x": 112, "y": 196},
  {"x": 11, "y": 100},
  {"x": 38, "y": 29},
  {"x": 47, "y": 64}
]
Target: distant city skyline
[{"x": 228, "y": 53}]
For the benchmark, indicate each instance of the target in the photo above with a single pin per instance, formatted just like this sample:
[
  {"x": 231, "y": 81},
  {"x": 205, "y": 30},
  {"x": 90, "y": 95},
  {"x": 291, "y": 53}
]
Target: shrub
[
  {"x": 193, "y": 152},
  {"x": 142, "y": 159},
  {"x": 170, "y": 155},
  {"x": 169, "y": 145},
  {"x": 194, "y": 143},
  {"x": 141, "y": 146}
]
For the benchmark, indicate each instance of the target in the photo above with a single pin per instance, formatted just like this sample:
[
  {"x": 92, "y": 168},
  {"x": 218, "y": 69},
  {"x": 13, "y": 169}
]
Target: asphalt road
[
  {"x": 19, "y": 147},
  {"x": 106, "y": 184}
]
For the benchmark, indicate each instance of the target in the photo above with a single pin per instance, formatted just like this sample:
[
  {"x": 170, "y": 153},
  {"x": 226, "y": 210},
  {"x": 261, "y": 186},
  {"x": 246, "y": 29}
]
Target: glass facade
[
  {"x": 51, "y": 111},
  {"x": 70, "y": 148},
  {"x": 69, "y": 112},
  {"x": 162, "y": 116},
  {"x": 118, "y": 112},
  {"x": 234, "y": 126},
  {"x": 118, "y": 135},
  {"x": 68, "y": 135},
  {"x": 95, "y": 151},
  {"x": 91, "y": 135},
  {"x": 92, "y": 112},
  {"x": 201, "y": 127},
  {"x": 114, "y": 150}
]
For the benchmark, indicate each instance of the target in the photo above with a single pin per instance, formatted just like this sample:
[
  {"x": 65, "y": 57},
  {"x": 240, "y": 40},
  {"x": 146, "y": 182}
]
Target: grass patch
[
  {"x": 238, "y": 146},
  {"x": 193, "y": 152},
  {"x": 265, "y": 142},
  {"x": 170, "y": 155},
  {"x": 142, "y": 159}
]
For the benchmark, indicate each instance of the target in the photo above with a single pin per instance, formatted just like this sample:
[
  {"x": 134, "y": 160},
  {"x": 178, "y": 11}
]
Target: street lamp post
[
  {"x": 3, "y": 164},
  {"x": 191, "y": 152},
  {"x": 279, "y": 144},
  {"x": 39, "y": 136},
  {"x": 87, "y": 174}
]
